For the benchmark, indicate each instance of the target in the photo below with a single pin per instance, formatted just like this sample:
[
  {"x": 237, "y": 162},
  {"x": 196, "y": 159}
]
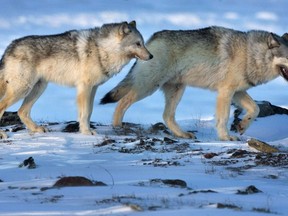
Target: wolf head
[
  {"x": 126, "y": 39},
  {"x": 279, "y": 47},
  {"x": 132, "y": 42}
]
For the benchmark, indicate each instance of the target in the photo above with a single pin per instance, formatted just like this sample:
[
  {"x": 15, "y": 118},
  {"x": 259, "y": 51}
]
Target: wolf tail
[{"x": 120, "y": 90}]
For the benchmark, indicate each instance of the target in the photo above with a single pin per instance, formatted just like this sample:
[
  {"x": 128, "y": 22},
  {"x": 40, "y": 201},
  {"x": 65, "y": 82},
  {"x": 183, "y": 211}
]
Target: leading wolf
[
  {"x": 84, "y": 59},
  {"x": 215, "y": 58}
]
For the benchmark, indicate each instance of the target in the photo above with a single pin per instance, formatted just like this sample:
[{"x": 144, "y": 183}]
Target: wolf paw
[
  {"x": 234, "y": 138},
  {"x": 229, "y": 138},
  {"x": 240, "y": 128},
  {"x": 187, "y": 135},
  {"x": 89, "y": 132},
  {"x": 40, "y": 129}
]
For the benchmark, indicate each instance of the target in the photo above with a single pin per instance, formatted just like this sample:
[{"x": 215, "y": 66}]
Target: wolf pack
[{"x": 216, "y": 58}]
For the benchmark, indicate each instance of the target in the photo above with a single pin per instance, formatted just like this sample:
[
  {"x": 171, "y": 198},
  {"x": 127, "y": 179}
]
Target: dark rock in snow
[
  {"x": 76, "y": 181},
  {"x": 73, "y": 127},
  {"x": 29, "y": 163},
  {"x": 266, "y": 109},
  {"x": 10, "y": 118},
  {"x": 249, "y": 190},
  {"x": 170, "y": 182}
]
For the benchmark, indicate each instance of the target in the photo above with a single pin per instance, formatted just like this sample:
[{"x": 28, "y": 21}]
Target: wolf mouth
[{"x": 284, "y": 71}]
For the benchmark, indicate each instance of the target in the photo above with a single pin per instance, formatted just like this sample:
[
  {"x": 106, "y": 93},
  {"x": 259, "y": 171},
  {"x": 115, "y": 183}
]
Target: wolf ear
[
  {"x": 285, "y": 36},
  {"x": 272, "y": 41},
  {"x": 133, "y": 24},
  {"x": 124, "y": 29}
]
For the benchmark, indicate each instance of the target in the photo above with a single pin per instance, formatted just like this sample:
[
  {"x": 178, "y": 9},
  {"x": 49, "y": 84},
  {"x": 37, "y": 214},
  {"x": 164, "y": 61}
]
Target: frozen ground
[
  {"x": 140, "y": 166},
  {"x": 147, "y": 172}
]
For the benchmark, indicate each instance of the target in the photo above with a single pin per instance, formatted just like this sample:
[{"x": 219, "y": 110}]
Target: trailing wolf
[
  {"x": 215, "y": 58},
  {"x": 79, "y": 58}
]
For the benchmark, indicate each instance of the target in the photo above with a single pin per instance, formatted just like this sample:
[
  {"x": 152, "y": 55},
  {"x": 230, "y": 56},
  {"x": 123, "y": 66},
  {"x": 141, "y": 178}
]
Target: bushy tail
[{"x": 120, "y": 90}]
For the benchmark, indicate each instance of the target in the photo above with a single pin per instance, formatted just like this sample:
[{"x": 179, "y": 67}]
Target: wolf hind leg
[
  {"x": 12, "y": 94},
  {"x": 173, "y": 94},
  {"x": 243, "y": 100},
  {"x": 25, "y": 109},
  {"x": 122, "y": 106}
]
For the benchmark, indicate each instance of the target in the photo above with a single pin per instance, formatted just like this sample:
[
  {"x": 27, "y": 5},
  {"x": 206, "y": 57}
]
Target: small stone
[
  {"x": 262, "y": 146},
  {"x": 76, "y": 181}
]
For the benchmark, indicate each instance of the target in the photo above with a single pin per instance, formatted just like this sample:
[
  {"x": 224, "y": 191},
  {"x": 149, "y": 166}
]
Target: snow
[{"x": 128, "y": 169}]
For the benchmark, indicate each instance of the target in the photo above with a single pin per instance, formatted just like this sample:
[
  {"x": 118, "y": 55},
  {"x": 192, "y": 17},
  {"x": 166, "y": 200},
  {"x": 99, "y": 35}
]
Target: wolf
[
  {"x": 78, "y": 58},
  {"x": 216, "y": 58}
]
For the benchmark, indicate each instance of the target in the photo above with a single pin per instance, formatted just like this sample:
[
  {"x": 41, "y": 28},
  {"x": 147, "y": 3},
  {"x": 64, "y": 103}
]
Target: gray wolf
[
  {"x": 215, "y": 58},
  {"x": 79, "y": 58}
]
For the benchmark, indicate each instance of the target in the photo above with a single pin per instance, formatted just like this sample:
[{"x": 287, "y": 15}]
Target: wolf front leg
[
  {"x": 224, "y": 99},
  {"x": 85, "y": 98},
  {"x": 243, "y": 100},
  {"x": 173, "y": 94}
]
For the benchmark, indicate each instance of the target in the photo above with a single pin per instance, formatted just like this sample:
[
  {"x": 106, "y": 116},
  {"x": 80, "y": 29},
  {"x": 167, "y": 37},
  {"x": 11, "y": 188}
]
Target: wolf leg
[
  {"x": 3, "y": 135},
  {"x": 13, "y": 93},
  {"x": 252, "y": 110},
  {"x": 25, "y": 109},
  {"x": 92, "y": 96},
  {"x": 123, "y": 105},
  {"x": 84, "y": 97},
  {"x": 222, "y": 113},
  {"x": 173, "y": 94}
]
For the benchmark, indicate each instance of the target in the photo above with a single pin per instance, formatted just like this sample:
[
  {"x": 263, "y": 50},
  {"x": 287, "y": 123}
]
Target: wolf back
[{"x": 215, "y": 58}]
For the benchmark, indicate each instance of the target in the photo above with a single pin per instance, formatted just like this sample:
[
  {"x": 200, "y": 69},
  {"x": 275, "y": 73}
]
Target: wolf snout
[
  {"x": 144, "y": 57},
  {"x": 150, "y": 56}
]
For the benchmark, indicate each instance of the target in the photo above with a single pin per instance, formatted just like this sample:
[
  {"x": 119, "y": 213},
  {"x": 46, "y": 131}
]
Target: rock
[
  {"x": 170, "y": 182},
  {"x": 210, "y": 155},
  {"x": 10, "y": 118},
  {"x": 266, "y": 109},
  {"x": 239, "y": 153},
  {"x": 262, "y": 146},
  {"x": 228, "y": 206},
  {"x": 269, "y": 159},
  {"x": 73, "y": 127},
  {"x": 169, "y": 141},
  {"x": 29, "y": 163},
  {"x": 76, "y": 181},
  {"x": 249, "y": 190},
  {"x": 159, "y": 127},
  {"x": 106, "y": 142}
]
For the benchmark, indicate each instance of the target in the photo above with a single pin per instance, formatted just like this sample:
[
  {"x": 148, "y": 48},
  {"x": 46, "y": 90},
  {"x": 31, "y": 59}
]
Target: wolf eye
[{"x": 138, "y": 44}]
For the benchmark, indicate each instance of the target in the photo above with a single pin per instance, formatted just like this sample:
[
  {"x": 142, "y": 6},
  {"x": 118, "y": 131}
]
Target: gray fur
[
  {"x": 215, "y": 58},
  {"x": 80, "y": 58}
]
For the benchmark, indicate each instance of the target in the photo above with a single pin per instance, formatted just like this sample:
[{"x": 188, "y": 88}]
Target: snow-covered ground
[{"x": 135, "y": 164}]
